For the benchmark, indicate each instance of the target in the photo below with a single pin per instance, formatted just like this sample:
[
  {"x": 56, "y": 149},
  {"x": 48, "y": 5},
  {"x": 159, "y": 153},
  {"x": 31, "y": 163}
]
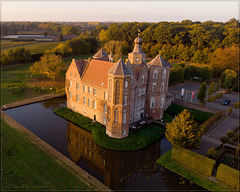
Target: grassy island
[{"x": 134, "y": 141}]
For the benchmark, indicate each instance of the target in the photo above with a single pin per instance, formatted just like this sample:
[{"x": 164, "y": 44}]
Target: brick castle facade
[{"x": 118, "y": 94}]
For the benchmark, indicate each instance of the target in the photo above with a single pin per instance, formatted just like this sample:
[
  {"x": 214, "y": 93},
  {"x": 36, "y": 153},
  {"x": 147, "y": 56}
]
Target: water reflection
[{"x": 118, "y": 169}]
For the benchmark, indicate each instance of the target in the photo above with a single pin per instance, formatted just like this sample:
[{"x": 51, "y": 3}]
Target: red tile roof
[{"x": 97, "y": 73}]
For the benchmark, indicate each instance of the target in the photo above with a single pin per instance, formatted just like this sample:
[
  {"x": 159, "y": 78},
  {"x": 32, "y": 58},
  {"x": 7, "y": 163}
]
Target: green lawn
[
  {"x": 141, "y": 139},
  {"x": 199, "y": 116},
  {"x": 201, "y": 180},
  {"x": 19, "y": 75},
  {"x": 27, "y": 167}
]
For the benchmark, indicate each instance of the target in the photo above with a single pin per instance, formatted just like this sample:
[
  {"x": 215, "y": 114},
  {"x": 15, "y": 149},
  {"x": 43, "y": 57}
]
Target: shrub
[
  {"x": 236, "y": 105},
  {"x": 16, "y": 89},
  {"x": 193, "y": 160},
  {"x": 214, "y": 97},
  {"x": 207, "y": 125},
  {"x": 230, "y": 133},
  {"x": 224, "y": 139},
  {"x": 212, "y": 153},
  {"x": 229, "y": 111},
  {"x": 228, "y": 176}
]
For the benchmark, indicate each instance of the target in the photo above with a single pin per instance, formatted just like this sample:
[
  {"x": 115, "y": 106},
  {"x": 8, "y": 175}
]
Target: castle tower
[
  {"x": 119, "y": 82},
  {"x": 101, "y": 55},
  {"x": 137, "y": 56},
  {"x": 159, "y": 70}
]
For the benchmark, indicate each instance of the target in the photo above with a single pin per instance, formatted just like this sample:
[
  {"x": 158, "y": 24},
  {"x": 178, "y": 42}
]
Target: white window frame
[
  {"x": 75, "y": 75},
  {"x": 70, "y": 95},
  {"x": 84, "y": 88},
  {"x": 89, "y": 102},
  {"x": 105, "y": 108},
  {"x": 94, "y": 91},
  {"x": 152, "y": 103},
  {"x": 162, "y": 102},
  {"x": 94, "y": 104},
  {"x": 139, "y": 91},
  {"x": 163, "y": 87},
  {"x": 77, "y": 97},
  {"x": 126, "y": 84},
  {"x": 105, "y": 95},
  {"x": 164, "y": 73},
  {"x": 155, "y": 74},
  {"x": 70, "y": 83},
  {"x": 124, "y": 117},
  {"x": 138, "y": 115},
  {"x": 143, "y": 103},
  {"x": 89, "y": 90},
  {"x": 71, "y": 74},
  {"x": 144, "y": 91},
  {"x": 77, "y": 86},
  {"x": 105, "y": 120},
  {"x": 139, "y": 104},
  {"x": 154, "y": 87},
  {"x": 143, "y": 79},
  {"x": 125, "y": 100},
  {"x": 84, "y": 100}
]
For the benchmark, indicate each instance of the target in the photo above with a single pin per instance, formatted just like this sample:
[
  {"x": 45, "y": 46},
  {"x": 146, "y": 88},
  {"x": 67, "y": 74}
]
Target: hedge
[
  {"x": 228, "y": 175},
  {"x": 236, "y": 105},
  {"x": 214, "y": 97},
  {"x": 193, "y": 160},
  {"x": 207, "y": 125}
]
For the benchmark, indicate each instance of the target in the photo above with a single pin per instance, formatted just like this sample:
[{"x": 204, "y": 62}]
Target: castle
[{"x": 117, "y": 94}]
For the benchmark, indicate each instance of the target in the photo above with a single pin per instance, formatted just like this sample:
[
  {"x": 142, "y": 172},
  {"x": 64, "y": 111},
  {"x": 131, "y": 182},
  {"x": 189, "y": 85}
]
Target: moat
[{"x": 135, "y": 170}]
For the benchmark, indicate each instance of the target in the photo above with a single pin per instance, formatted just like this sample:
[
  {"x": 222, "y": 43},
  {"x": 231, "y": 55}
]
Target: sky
[{"x": 140, "y": 11}]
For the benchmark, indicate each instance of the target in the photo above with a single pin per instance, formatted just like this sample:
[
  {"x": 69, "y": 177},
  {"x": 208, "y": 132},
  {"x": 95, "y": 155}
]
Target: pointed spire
[
  {"x": 120, "y": 69},
  {"x": 101, "y": 54},
  {"x": 159, "y": 61}
]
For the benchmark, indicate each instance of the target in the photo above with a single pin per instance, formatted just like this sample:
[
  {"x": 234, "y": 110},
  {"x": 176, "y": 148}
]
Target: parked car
[{"x": 225, "y": 101}]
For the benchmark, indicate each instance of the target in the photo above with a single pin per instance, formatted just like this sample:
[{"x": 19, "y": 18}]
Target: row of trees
[{"x": 19, "y": 55}]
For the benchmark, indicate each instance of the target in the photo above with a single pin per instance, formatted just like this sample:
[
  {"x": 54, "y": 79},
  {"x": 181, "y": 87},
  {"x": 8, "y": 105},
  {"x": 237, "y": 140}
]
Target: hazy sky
[{"x": 119, "y": 11}]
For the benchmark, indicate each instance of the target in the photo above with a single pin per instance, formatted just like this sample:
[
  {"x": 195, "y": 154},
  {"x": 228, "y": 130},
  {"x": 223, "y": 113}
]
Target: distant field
[{"x": 34, "y": 47}]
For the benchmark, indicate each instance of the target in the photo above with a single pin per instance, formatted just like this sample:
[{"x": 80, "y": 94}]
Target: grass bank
[
  {"x": 134, "y": 141},
  {"x": 201, "y": 180},
  {"x": 27, "y": 167}
]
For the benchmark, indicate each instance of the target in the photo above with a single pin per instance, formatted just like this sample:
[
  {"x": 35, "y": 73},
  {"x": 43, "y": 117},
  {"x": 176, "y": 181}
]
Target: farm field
[{"x": 33, "y": 47}]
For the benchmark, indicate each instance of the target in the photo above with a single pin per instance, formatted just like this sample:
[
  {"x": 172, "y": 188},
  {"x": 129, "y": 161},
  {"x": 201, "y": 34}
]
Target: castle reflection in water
[{"x": 115, "y": 166}]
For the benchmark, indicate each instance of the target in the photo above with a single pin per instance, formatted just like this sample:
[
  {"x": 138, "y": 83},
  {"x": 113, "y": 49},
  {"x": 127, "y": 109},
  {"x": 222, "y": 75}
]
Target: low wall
[
  {"x": 59, "y": 156},
  {"x": 193, "y": 160},
  {"x": 31, "y": 100},
  {"x": 194, "y": 106}
]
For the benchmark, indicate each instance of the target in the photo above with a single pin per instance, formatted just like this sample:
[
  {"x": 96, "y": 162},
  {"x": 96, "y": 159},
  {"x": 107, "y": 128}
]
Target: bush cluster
[
  {"x": 16, "y": 89},
  {"x": 214, "y": 97},
  {"x": 236, "y": 105},
  {"x": 224, "y": 139},
  {"x": 207, "y": 125},
  {"x": 228, "y": 175},
  {"x": 229, "y": 111},
  {"x": 193, "y": 160},
  {"x": 212, "y": 153}
]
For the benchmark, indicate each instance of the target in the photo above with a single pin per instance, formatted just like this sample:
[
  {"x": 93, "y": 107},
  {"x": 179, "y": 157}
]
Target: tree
[
  {"x": 49, "y": 65},
  {"x": 115, "y": 48},
  {"x": 211, "y": 89},
  {"x": 202, "y": 93},
  {"x": 183, "y": 131},
  {"x": 227, "y": 78}
]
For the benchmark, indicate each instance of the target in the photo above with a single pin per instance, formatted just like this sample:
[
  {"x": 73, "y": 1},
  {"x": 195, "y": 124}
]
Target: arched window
[
  {"x": 142, "y": 79},
  {"x": 152, "y": 102},
  {"x": 117, "y": 94},
  {"x": 110, "y": 90},
  {"x": 116, "y": 115},
  {"x": 162, "y": 101},
  {"x": 163, "y": 87},
  {"x": 164, "y": 73},
  {"x": 109, "y": 114},
  {"x": 155, "y": 74},
  {"x": 154, "y": 87},
  {"x": 126, "y": 84}
]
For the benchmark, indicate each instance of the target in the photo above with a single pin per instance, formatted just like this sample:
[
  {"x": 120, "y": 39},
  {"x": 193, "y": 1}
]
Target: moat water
[{"x": 119, "y": 170}]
